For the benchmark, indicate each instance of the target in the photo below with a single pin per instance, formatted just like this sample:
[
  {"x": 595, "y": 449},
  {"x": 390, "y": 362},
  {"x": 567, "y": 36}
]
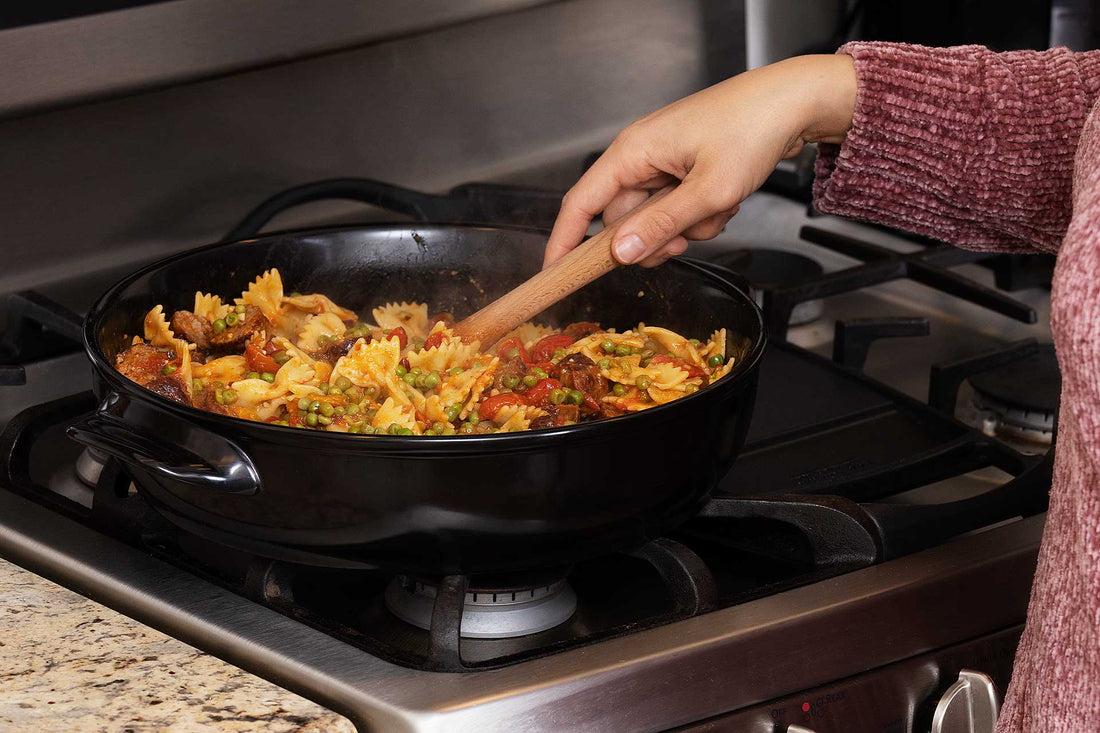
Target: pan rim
[{"x": 517, "y": 440}]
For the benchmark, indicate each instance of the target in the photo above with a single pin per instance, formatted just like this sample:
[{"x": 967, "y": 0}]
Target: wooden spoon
[{"x": 590, "y": 260}]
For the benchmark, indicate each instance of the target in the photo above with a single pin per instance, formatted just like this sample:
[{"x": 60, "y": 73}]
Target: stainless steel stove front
[{"x": 651, "y": 680}]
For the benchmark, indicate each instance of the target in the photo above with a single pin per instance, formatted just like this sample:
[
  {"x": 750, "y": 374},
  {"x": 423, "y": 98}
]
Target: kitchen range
[{"x": 865, "y": 565}]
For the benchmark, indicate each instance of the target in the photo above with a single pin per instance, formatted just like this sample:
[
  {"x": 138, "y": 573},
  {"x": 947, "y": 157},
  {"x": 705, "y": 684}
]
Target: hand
[{"x": 720, "y": 144}]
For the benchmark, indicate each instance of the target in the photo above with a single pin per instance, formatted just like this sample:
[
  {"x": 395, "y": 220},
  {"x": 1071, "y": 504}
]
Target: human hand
[{"x": 720, "y": 144}]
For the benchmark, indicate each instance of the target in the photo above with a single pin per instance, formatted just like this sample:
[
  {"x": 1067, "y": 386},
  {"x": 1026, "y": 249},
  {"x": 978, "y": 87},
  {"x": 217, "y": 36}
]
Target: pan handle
[
  {"x": 222, "y": 466},
  {"x": 473, "y": 203}
]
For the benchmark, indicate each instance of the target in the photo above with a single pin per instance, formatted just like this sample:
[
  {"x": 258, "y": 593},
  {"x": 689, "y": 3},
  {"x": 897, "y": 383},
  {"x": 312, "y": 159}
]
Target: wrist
[{"x": 829, "y": 89}]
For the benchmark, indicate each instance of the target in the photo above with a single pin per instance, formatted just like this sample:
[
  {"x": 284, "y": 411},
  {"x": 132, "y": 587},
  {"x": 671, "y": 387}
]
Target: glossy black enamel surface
[{"x": 426, "y": 504}]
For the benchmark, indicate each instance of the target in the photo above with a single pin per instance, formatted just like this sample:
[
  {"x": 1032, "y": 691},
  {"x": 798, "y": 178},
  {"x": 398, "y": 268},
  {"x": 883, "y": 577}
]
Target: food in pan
[{"x": 304, "y": 361}]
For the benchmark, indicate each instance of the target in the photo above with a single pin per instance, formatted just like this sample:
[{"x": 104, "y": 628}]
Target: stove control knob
[
  {"x": 968, "y": 706},
  {"x": 798, "y": 729}
]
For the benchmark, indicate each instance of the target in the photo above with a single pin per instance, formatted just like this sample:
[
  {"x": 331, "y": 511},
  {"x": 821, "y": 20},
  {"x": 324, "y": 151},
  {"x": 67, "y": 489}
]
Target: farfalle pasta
[{"x": 304, "y": 361}]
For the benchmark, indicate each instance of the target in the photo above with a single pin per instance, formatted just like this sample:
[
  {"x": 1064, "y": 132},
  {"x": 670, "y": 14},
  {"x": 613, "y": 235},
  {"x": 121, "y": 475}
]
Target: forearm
[{"x": 961, "y": 144}]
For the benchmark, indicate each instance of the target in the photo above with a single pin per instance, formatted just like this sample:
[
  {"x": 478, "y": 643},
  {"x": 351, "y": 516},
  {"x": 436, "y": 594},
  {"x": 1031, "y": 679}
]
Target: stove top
[{"x": 863, "y": 524}]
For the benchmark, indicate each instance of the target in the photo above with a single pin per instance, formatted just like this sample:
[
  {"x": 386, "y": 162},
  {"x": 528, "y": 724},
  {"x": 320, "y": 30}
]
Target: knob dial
[{"x": 969, "y": 706}]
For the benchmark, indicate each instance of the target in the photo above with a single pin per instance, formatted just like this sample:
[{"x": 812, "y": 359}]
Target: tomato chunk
[
  {"x": 433, "y": 340},
  {"x": 402, "y": 337},
  {"x": 506, "y": 349},
  {"x": 539, "y": 395},
  {"x": 489, "y": 408},
  {"x": 546, "y": 346},
  {"x": 693, "y": 371},
  {"x": 258, "y": 361}
]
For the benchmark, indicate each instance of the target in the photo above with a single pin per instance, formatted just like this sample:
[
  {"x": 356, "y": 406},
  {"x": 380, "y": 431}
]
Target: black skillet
[{"x": 430, "y": 505}]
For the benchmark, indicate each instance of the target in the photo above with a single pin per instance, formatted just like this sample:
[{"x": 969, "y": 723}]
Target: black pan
[{"x": 430, "y": 505}]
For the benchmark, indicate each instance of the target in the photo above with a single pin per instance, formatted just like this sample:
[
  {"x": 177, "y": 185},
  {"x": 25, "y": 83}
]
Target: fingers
[
  {"x": 676, "y": 246},
  {"x": 623, "y": 203},
  {"x": 710, "y": 227},
  {"x": 581, "y": 204},
  {"x": 648, "y": 231}
]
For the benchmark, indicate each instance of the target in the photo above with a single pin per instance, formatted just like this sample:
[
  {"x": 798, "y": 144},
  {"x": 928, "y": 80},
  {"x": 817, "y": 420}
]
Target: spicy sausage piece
[
  {"x": 580, "y": 329},
  {"x": 141, "y": 363},
  {"x": 194, "y": 328},
  {"x": 169, "y": 387},
  {"x": 578, "y": 372},
  {"x": 234, "y": 337}
]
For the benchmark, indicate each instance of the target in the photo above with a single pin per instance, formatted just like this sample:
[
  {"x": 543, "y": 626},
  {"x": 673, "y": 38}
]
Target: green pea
[
  {"x": 421, "y": 381},
  {"x": 340, "y": 410},
  {"x": 643, "y": 382},
  {"x": 454, "y": 370},
  {"x": 229, "y": 396},
  {"x": 467, "y": 429},
  {"x": 218, "y": 397},
  {"x": 268, "y": 377},
  {"x": 473, "y": 418},
  {"x": 530, "y": 380},
  {"x": 410, "y": 379},
  {"x": 576, "y": 397},
  {"x": 352, "y": 409},
  {"x": 623, "y": 350},
  {"x": 371, "y": 390},
  {"x": 354, "y": 394},
  {"x": 694, "y": 342},
  {"x": 326, "y": 409},
  {"x": 540, "y": 374},
  {"x": 559, "y": 354},
  {"x": 304, "y": 403},
  {"x": 311, "y": 420},
  {"x": 715, "y": 361},
  {"x": 432, "y": 380},
  {"x": 239, "y": 310},
  {"x": 322, "y": 420},
  {"x": 401, "y": 370},
  {"x": 417, "y": 371},
  {"x": 314, "y": 406},
  {"x": 618, "y": 390},
  {"x": 510, "y": 381},
  {"x": 168, "y": 369},
  {"x": 280, "y": 357},
  {"x": 343, "y": 383},
  {"x": 438, "y": 427},
  {"x": 231, "y": 319},
  {"x": 449, "y": 429},
  {"x": 393, "y": 429},
  {"x": 604, "y": 363},
  {"x": 335, "y": 390},
  {"x": 404, "y": 431},
  {"x": 608, "y": 346},
  {"x": 324, "y": 386},
  {"x": 196, "y": 385},
  {"x": 353, "y": 429},
  {"x": 219, "y": 325},
  {"x": 513, "y": 353},
  {"x": 452, "y": 412},
  {"x": 557, "y": 396},
  {"x": 252, "y": 375}
]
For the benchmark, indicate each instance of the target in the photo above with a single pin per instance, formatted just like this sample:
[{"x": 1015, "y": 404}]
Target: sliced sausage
[
  {"x": 194, "y": 328},
  {"x": 578, "y": 372},
  {"x": 141, "y": 363},
  {"x": 233, "y": 337}
]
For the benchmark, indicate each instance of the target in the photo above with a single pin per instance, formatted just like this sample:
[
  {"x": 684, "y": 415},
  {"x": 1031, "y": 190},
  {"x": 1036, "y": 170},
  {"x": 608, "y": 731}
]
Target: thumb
[{"x": 646, "y": 231}]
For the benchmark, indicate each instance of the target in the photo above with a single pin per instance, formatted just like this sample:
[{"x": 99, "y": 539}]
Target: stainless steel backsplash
[{"x": 519, "y": 95}]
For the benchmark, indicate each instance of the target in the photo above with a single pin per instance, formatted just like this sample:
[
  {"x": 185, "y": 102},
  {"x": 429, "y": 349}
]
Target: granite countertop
[{"x": 70, "y": 664}]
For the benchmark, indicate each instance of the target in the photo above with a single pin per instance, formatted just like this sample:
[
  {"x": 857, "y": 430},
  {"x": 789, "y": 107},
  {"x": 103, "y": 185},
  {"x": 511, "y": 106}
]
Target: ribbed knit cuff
[{"x": 961, "y": 144}]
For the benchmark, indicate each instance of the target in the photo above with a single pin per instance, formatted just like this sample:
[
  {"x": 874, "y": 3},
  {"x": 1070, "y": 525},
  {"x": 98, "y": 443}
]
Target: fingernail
[{"x": 629, "y": 249}]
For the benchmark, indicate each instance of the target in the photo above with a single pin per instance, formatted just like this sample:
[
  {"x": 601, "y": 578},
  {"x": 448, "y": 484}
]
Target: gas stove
[{"x": 876, "y": 537}]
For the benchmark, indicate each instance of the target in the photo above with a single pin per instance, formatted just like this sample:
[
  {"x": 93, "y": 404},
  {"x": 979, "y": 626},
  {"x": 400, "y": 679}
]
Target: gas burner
[
  {"x": 769, "y": 269},
  {"x": 1019, "y": 400},
  {"x": 490, "y": 611}
]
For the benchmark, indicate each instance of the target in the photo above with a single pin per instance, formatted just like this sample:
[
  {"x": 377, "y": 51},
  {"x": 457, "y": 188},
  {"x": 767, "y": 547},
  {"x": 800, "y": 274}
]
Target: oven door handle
[{"x": 223, "y": 467}]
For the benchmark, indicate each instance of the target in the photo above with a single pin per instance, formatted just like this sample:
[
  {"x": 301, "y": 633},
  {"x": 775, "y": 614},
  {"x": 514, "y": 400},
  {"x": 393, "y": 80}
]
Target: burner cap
[
  {"x": 488, "y": 613},
  {"x": 1032, "y": 383},
  {"x": 769, "y": 269},
  {"x": 1020, "y": 399}
]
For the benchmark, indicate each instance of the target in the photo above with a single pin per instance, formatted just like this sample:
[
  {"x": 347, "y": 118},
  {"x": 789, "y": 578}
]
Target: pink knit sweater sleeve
[{"x": 962, "y": 144}]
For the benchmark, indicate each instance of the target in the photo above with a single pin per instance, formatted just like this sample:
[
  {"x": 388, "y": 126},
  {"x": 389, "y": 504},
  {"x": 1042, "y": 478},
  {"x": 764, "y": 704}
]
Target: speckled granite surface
[{"x": 70, "y": 664}]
